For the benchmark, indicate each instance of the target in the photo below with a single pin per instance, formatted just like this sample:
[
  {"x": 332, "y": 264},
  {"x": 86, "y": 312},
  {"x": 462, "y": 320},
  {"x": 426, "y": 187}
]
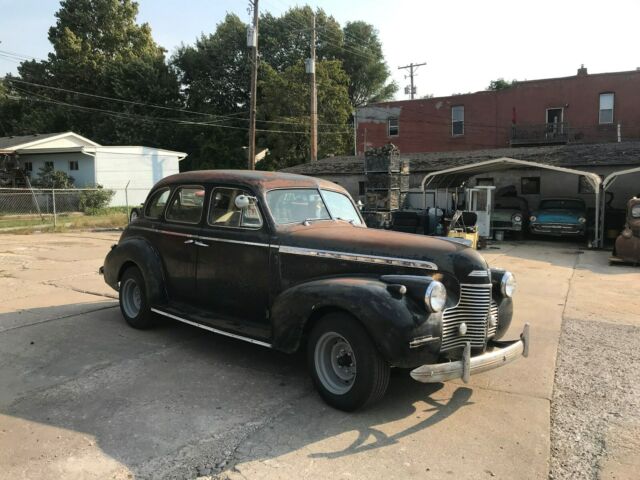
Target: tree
[
  {"x": 98, "y": 48},
  {"x": 285, "y": 96},
  {"x": 50, "y": 178},
  {"x": 501, "y": 84},
  {"x": 364, "y": 63}
]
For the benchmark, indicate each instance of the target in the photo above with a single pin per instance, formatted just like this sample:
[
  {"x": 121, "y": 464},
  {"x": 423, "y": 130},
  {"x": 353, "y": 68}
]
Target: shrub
[{"x": 93, "y": 201}]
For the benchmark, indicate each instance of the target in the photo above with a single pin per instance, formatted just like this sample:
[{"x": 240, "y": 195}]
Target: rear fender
[{"x": 139, "y": 252}]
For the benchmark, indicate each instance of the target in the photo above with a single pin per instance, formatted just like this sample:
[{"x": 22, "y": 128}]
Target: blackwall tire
[
  {"x": 133, "y": 300},
  {"x": 347, "y": 369}
]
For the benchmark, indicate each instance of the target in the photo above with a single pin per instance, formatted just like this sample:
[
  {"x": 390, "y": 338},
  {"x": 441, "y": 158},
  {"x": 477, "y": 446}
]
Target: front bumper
[
  {"x": 557, "y": 228},
  {"x": 503, "y": 353}
]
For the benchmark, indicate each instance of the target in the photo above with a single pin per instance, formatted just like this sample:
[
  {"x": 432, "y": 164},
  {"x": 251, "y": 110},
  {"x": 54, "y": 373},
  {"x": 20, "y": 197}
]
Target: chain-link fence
[{"x": 36, "y": 207}]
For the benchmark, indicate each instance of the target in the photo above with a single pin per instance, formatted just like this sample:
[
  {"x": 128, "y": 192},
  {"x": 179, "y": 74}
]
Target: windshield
[
  {"x": 300, "y": 204},
  {"x": 560, "y": 204}
]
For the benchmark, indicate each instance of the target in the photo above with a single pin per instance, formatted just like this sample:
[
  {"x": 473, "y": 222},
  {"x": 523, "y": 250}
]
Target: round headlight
[
  {"x": 517, "y": 218},
  {"x": 582, "y": 219},
  {"x": 532, "y": 218},
  {"x": 508, "y": 284},
  {"x": 436, "y": 296}
]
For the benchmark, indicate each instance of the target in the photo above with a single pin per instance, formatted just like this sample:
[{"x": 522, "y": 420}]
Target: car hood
[
  {"x": 558, "y": 216},
  {"x": 449, "y": 256}
]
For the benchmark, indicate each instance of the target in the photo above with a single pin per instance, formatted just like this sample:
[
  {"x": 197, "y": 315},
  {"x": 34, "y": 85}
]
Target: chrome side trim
[
  {"x": 355, "y": 257},
  {"x": 200, "y": 237},
  {"x": 419, "y": 341},
  {"x": 211, "y": 329}
]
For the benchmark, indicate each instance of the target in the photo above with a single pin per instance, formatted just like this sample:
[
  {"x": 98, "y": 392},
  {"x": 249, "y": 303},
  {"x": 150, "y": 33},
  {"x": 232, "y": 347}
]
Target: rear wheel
[
  {"x": 133, "y": 300},
  {"x": 347, "y": 369}
]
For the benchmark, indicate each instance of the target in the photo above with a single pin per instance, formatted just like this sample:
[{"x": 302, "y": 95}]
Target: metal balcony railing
[{"x": 542, "y": 134}]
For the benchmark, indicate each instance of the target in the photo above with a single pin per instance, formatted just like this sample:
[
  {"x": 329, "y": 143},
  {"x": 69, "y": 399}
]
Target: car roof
[{"x": 255, "y": 179}]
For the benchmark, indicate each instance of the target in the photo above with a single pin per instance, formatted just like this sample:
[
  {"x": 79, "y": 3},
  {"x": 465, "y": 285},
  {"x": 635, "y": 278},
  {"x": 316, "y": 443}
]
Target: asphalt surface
[{"x": 85, "y": 396}]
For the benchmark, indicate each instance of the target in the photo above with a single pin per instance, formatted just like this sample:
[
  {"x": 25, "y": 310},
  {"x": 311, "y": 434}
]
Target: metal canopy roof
[{"x": 453, "y": 177}]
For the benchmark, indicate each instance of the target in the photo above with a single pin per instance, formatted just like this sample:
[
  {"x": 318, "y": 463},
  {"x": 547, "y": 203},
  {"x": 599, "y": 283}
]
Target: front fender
[
  {"x": 390, "y": 318},
  {"x": 138, "y": 251}
]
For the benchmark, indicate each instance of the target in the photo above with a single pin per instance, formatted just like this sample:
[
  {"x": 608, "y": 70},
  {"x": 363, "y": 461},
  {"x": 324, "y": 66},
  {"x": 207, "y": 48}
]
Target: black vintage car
[{"x": 286, "y": 261}]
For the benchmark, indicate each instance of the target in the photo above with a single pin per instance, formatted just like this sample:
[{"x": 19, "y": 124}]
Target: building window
[
  {"x": 393, "y": 126},
  {"x": 28, "y": 167},
  {"x": 457, "y": 120},
  {"x": 584, "y": 185},
  {"x": 48, "y": 165},
  {"x": 73, "y": 165},
  {"x": 361, "y": 188},
  {"x": 484, "y": 182},
  {"x": 606, "y": 108},
  {"x": 530, "y": 185}
]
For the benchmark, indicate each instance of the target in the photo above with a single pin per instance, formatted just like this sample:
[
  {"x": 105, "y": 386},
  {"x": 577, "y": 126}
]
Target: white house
[{"x": 91, "y": 164}]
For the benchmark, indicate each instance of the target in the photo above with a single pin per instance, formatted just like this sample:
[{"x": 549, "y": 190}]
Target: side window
[
  {"x": 224, "y": 213},
  {"x": 186, "y": 205},
  {"x": 156, "y": 204}
]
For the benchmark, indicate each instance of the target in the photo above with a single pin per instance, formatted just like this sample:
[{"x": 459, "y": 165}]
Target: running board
[{"x": 211, "y": 329}]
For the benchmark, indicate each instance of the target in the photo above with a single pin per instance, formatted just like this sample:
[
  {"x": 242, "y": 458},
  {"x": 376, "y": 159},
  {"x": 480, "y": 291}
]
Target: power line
[{"x": 132, "y": 116}]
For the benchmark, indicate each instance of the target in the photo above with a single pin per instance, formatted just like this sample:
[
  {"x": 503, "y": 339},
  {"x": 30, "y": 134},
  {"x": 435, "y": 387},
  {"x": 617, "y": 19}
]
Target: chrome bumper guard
[{"x": 503, "y": 353}]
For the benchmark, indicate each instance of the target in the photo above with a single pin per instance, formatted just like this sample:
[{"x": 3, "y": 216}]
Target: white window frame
[
  {"x": 600, "y": 109},
  {"x": 397, "y": 126},
  {"x": 455, "y": 108}
]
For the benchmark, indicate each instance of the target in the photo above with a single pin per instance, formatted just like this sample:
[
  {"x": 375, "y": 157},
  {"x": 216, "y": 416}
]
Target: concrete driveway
[{"x": 84, "y": 396}]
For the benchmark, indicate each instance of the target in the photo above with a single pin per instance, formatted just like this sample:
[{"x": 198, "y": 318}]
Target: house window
[
  {"x": 606, "y": 108},
  {"x": 584, "y": 185},
  {"x": 73, "y": 165},
  {"x": 530, "y": 185},
  {"x": 28, "y": 167},
  {"x": 393, "y": 127},
  {"x": 457, "y": 120},
  {"x": 48, "y": 165},
  {"x": 484, "y": 182}
]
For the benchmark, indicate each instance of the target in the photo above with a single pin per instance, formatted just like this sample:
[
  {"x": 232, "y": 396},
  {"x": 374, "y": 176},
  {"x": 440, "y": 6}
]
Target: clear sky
[{"x": 466, "y": 43}]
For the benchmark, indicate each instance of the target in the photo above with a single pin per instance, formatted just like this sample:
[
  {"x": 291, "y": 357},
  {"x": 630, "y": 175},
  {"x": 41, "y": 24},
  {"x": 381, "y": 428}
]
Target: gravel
[{"x": 596, "y": 395}]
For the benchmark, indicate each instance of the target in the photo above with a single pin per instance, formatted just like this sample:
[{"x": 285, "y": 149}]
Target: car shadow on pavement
[{"x": 175, "y": 398}]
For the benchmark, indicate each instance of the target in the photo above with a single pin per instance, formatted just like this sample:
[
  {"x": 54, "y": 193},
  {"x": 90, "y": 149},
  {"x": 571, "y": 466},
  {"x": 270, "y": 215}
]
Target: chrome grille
[
  {"x": 493, "y": 314},
  {"x": 472, "y": 309}
]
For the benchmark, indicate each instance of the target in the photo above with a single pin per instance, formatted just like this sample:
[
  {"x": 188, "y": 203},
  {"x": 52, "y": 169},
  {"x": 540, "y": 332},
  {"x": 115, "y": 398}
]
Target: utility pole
[
  {"x": 313, "y": 110},
  {"x": 412, "y": 69},
  {"x": 252, "y": 42}
]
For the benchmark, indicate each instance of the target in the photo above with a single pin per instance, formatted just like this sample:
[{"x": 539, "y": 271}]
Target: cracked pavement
[{"x": 85, "y": 396}]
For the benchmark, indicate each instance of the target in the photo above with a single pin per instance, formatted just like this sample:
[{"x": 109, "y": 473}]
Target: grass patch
[{"x": 113, "y": 217}]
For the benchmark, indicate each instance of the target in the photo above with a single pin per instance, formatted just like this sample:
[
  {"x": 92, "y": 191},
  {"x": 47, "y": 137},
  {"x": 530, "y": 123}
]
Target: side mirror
[
  {"x": 242, "y": 202},
  {"x": 360, "y": 205}
]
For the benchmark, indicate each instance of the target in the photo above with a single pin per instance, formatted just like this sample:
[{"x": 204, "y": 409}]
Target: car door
[
  {"x": 233, "y": 267},
  {"x": 176, "y": 239}
]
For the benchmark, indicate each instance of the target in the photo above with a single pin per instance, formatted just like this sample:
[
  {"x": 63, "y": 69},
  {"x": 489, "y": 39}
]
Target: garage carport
[{"x": 454, "y": 177}]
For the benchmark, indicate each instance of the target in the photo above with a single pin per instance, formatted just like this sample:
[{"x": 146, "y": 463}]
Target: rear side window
[
  {"x": 186, "y": 205},
  {"x": 224, "y": 213},
  {"x": 155, "y": 206}
]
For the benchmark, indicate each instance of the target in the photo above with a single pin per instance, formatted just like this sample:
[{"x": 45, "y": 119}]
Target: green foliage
[
  {"x": 94, "y": 202},
  {"x": 501, "y": 84},
  {"x": 98, "y": 49},
  {"x": 50, "y": 178}
]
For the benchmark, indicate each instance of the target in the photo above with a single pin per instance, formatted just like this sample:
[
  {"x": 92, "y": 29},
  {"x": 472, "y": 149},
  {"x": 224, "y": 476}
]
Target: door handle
[
  {"x": 187, "y": 242},
  {"x": 200, "y": 244}
]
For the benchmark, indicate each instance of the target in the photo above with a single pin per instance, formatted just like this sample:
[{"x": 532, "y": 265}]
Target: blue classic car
[{"x": 559, "y": 216}]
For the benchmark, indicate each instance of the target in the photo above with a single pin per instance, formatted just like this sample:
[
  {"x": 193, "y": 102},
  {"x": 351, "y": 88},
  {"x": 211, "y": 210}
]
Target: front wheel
[
  {"x": 347, "y": 369},
  {"x": 133, "y": 300}
]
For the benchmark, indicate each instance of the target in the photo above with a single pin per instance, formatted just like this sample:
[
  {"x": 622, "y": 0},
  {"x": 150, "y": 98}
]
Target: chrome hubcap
[
  {"x": 335, "y": 363},
  {"x": 131, "y": 298}
]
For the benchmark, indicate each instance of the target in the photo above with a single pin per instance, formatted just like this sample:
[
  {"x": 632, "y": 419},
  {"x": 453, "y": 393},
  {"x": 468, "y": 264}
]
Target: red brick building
[{"x": 583, "y": 108}]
